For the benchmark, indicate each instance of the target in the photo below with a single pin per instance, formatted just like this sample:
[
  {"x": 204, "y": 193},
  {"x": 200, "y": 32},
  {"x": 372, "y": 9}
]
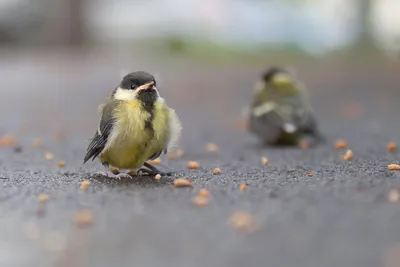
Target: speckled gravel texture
[{"x": 340, "y": 216}]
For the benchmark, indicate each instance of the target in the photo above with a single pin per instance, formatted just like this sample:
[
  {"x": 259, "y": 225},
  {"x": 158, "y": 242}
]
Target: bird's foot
[
  {"x": 150, "y": 170},
  {"x": 100, "y": 174},
  {"x": 122, "y": 176}
]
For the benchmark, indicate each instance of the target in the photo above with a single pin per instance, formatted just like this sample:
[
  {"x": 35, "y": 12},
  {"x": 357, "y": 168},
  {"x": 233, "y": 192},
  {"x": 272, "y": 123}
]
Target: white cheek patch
[{"x": 125, "y": 94}]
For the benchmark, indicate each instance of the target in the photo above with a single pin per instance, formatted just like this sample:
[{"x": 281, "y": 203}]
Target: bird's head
[
  {"x": 137, "y": 85},
  {"x": 279, "y": 80}
]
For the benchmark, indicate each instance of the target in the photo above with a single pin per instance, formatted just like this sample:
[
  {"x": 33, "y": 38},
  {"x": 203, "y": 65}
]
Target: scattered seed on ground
[
  {"x": 192, "y": 165},
  {"x": 182, "y": 182}
]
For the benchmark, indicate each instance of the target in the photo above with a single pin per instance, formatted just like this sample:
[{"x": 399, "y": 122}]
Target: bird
[
  {"x": 280, "y": 112},
  {"x": 136, "y": 125}
]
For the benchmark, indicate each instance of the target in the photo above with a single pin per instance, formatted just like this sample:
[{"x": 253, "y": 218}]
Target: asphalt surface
[{"x": 340, "y": 216}]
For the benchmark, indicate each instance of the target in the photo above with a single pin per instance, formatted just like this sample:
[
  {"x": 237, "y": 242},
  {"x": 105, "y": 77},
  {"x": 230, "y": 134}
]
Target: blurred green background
[{"x": 215, "y": 29}]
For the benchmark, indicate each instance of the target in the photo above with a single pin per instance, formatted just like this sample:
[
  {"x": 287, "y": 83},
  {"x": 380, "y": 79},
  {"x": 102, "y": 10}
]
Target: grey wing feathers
[{"x": 100, "y": 138}]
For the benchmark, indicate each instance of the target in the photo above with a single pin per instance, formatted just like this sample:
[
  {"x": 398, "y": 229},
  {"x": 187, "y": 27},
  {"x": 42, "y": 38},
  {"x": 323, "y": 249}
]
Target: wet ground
[{"x": 339, "y": 216}]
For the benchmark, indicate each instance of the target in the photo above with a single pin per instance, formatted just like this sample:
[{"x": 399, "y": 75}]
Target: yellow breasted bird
[
  {"x": 136, "y": 125},
  {"x": 281, "y": 113}
]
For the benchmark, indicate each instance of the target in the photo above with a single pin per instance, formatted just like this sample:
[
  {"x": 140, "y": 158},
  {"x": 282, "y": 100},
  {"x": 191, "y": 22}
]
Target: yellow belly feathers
[{"x": 131, "y": 144}]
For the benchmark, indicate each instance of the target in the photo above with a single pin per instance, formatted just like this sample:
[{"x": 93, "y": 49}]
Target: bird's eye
[{"x": 133, "y": 86}]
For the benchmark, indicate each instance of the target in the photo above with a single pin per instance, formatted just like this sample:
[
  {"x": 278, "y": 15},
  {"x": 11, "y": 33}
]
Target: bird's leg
[{"x": 151, "y": 170}]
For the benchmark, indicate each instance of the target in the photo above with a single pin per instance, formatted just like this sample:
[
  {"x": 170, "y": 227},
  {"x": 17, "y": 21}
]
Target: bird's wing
[
  {"x": 100, "y": 138},
  {"x": 175, "y": 129}
]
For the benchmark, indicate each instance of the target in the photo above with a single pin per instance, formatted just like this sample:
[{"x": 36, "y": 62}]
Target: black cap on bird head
[
  {"x": 136, "y": 79},
  {"x": 272, "y": 72},
  {"x": 277, "y": 76}
]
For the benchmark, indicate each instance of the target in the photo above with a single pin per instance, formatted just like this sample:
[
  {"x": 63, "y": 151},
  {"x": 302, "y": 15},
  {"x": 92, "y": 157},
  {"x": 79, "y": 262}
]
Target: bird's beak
[
  {"x": 282, "y": 79},
  {"x": 146, "y": 86}
]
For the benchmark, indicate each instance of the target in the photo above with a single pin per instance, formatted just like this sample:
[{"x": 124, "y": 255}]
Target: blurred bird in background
[{"x": 280, "y": 112}]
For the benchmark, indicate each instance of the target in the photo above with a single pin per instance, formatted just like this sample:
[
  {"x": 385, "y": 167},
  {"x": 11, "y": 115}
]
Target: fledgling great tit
[
  {"x": 281, "y": 113},
  {"x": 136, "y": 125}
]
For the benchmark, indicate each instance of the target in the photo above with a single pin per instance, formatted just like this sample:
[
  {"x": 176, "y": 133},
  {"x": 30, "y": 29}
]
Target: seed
[
  {"x": 114, "y": 171},
  {"x": 264, "y": 161},
  {"x": 192, "y": 165},
  {"x": 393, "y": 195},
  {"x": 217, "y": 171},
  {"x": 182, "y": 182},
  {"x": 348, "y": 155},
  {"x": 310, "y": 174},
  {"x": 211, "y": 147},
  {"x": 391, "y": 146},
  {"x": 243, "y": 187},
  {"x": 243, "y": 221},
  {"x": 180, "y": 153},
  {"x": 200, "y": 201},
  {"x": 394, "y": 167},
  {"x": 340, "y": 144},
  {"x": 7, "y": 141},
  {"x": 204, "y": 193},
  {"x": 157, "y": 177},
  {"x": 48, "y": 156},
  {"x": 43, "y": 197},
  {"x": 61, "y": 163},
  {"x": 83, "y": 218},
  {"x": 132, "y": 173},
  {"x": 84, "y": 185},
  {"x": 304, "y": 144}
]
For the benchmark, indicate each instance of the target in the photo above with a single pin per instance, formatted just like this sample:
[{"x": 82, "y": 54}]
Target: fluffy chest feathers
[{"x": 139, "y": 132}]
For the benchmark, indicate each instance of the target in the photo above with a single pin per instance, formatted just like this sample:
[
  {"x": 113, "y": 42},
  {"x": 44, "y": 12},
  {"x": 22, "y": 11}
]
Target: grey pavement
[{"x": 340, "y": 216}]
